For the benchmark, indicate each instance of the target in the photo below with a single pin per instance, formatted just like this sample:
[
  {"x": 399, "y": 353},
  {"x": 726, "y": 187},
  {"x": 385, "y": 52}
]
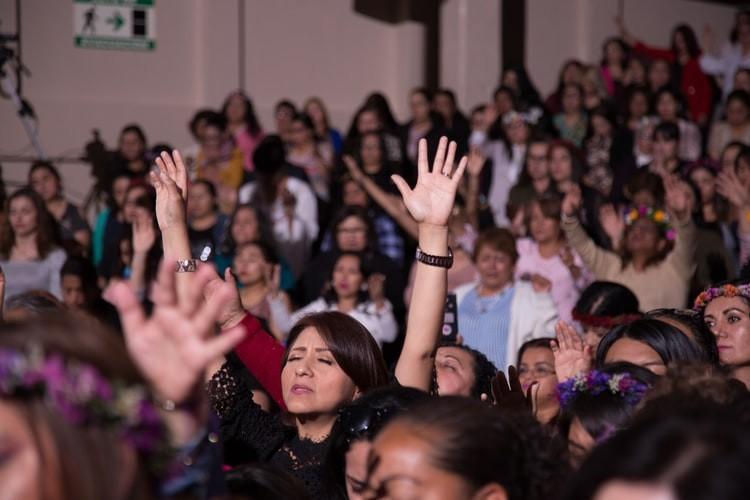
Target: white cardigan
[{"x": 532, "y": 315}]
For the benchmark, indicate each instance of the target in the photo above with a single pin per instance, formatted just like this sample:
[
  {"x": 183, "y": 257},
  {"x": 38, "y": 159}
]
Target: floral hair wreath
[
  {"x": 655, "y": 215},
  {"x": 602, "y": 321},
  {"x": 714, "y": 292},
  {"x": 595, "y": 382},
  {"x": 530, "y": 117},
  {"x": 81, "y": 395}
]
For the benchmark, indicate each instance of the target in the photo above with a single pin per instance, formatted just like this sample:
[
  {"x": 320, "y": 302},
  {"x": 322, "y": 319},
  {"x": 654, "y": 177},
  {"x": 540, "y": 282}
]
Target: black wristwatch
[{"x": 434, "y": 260}]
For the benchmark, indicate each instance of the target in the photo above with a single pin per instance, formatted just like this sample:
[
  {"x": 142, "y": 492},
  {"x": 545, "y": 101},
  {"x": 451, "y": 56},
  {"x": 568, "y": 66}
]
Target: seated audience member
[
  {"x": 456, "y": 123},
  {"x": 131, "y": 151},
  {"x": 29, "y": 253},
  {"x": 536, "y": 373},
  {"x": 311, "y": 155},
  {"x": 498, "y": 313},
  {"x": 572, "y": 122},
  {"x": 74, "y": 231},
  {"x": 243, "y": 125},
  {"x": 110, "y": 221},
  {"x": 284, "y": 112},
  {"x": 255, "y": 266},
  {"x": 206, "y": 225},
  {"x": 601, "y": 306},
  {"x": 81, "y": 292},
  {"x": 220, "y": 162},
  {"x": 735, "y": 126},
  {"x": 318, "y": 113},
  {"x": 669, "y": 109}
]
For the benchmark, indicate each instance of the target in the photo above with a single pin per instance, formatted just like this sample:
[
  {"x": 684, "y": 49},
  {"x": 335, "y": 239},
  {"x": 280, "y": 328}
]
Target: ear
[{"x": 492, "y": 491}]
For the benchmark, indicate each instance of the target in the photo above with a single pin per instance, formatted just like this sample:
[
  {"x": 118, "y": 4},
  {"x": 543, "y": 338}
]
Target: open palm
[
  {"x": 175, "y": 345},
  {"x": 431, "y": 200},
  {"x": 171, "y": 187},
  {"x": 571, "y": 355}
]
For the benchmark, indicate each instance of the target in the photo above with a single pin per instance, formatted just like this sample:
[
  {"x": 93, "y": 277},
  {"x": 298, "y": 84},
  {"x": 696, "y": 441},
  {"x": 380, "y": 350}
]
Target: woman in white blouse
[{"x": 350, "y": 291}]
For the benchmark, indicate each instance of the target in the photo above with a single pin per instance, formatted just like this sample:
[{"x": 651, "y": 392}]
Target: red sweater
[
  {"x": 262, "y": 355},
  {"x": 694, "y": 83}
]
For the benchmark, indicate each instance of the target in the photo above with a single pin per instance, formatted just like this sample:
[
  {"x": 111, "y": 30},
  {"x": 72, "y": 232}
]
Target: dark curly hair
[{"x": 484, "y": 370}]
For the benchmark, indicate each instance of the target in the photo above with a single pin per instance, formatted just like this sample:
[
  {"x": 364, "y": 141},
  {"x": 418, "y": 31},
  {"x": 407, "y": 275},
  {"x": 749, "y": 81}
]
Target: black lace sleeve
[{"x": 248, "y": 433}]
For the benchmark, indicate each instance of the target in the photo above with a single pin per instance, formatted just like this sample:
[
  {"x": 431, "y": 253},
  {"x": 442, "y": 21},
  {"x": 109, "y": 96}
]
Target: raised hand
[
  {"x": 571, "y": 203},
  {"x": 431, "y": 200},
  {"x": 729, "y": 186},
  {"x": 508, "y": 394},
  {"x": 171, "y": 187},
  {"x": 174, "y": 347},
  {"x": 475, "y": 162},
  {"x": 679, "y": 198},
  {"x": 230, "y": 308},
  {"x": 144, "y": 235},
  {"x": 571, "y": 355},
  {"x": 353, "y": 168},
  {"x": 612, "y": 223}
]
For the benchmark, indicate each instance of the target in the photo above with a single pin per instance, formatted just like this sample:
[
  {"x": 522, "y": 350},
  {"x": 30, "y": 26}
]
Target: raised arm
[
  {"x": 144, "y": 238},
  {"x": 430, "y": 204},
  {"x": 679, "y": 200},
  {"x": 171, "y": 185},
  {"x": 391, "y": 204}
]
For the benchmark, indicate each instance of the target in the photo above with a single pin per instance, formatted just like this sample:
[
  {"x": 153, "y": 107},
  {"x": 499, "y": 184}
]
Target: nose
[{"x": 303, "y": 369}]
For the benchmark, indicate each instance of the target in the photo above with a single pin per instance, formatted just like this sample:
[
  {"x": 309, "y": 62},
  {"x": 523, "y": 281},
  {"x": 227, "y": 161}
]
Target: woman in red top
[{"x": 683, "y": 54}]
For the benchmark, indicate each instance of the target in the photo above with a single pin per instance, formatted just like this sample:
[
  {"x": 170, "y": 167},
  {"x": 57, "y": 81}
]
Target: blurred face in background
[
  {"x": 44, "y": 182},
  {"x": 236, "y": 109},
  {"x": 560, "y": 164},
  {"x": 706, "y": 183},
  {"x": 200, "y": 201},
  {"x": 130, "y": 206},
  {"x": 245, "y": 226},
  {"x": 659, "y": 74},
  {"x": 737, "y": 113},
  {"x": 23, "y": 217},
  {"x": 73, "y": 292},
  {"x": 368, "y": 121},
  {"x": 444, "y": 106},
  {"x": 420, "y": 107},
  {"x": 351, "y": 234},
  {"x": 370, "y": 150},
  {"x": 536, "y": 161},
  {"x": 131, "y": 146}
]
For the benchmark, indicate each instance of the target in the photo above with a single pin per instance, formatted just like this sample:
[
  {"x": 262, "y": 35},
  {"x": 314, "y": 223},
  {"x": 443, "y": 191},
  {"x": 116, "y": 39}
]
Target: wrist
[
  {"x": 433, "y": 239},
  {"x": 233, "y": 320}
]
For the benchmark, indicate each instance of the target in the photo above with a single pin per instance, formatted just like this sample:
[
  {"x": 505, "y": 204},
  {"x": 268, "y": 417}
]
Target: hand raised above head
[{"x": 431, "y": 200}]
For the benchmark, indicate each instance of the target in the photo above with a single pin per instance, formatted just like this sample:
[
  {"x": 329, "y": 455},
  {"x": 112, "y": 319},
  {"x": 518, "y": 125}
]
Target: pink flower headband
[
  {"x": 657, "y": 216},
  {"x": 728, "y": 290},
  {"x": 83, "y": 396}
]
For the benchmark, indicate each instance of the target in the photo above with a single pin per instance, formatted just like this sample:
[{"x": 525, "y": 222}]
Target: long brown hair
[
  {"x": 93, "y": 460},
  {"x": 351, "y": 345},
  {"x": 46, "y": 226}
]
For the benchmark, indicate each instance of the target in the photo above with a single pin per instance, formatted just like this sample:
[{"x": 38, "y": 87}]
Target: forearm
[
  {"x": 472, "y": 201},
  {"x": 391, "y": 205},
  {"x": 138, "y": 272},
  {"x": 598, "y": 260},
  {"x": 177, "y": 247},
  {"x": 414, "y": 367}
]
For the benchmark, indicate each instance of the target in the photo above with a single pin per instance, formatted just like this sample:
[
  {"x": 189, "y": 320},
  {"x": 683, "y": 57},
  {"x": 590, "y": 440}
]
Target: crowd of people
[{"x": 243, "y": 317}]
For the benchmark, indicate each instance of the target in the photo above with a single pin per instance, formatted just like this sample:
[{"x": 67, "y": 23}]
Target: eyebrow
[
  {"x": 454, "y": 358},
  {"x": 317, "y": 349},
  {"x": 727, "y": 311}
]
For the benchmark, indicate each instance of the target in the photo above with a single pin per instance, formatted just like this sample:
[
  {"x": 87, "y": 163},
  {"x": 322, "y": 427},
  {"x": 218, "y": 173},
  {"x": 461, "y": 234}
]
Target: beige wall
[{"x": 560, "y": 29}]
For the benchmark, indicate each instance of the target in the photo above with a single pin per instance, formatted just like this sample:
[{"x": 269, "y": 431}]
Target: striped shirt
[{"x": 484, "y": 323}]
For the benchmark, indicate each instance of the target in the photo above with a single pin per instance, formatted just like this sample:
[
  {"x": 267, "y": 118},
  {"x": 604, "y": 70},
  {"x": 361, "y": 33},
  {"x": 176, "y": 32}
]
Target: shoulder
[
  {"x": 525, "y": 245},
  {"x": 462, "y": 291}
]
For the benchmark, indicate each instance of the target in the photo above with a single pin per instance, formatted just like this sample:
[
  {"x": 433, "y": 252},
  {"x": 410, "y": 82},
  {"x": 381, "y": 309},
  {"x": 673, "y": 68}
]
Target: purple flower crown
[
  {"x": 714, "y": 292},
  {"x": 595, "y": 382},
  {"x": 83, "y": 396}
]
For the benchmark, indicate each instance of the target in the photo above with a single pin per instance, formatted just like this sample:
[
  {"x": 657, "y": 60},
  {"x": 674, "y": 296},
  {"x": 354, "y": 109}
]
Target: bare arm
[
  {"x": 144, "y": 237},
  {"x": 430, "y": 204}
]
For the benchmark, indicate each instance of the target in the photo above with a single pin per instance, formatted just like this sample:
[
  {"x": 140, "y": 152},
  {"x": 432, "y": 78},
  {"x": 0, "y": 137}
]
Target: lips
[
  {"x": 300, "y": 389},
  {"x": 724, "y": 347}
]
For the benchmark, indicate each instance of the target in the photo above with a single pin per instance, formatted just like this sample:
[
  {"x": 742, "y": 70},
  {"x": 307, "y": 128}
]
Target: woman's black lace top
[{"x": 250, "y": 434}]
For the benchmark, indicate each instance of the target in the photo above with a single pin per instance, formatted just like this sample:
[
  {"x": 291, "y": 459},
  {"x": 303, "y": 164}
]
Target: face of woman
[
  {"x": 638, "y": 106},
  {"x": 729, "y": 157},
  {"x": 543, "y": 229},
  {"x": 643, "y": 237},
  {"x": 283, "y": 118},
  {"x": 454, "y": 368},
  {"x": 737, "y": 113},
  {"x": 444, "y": 106},
  {"x": 236, "y": 109},
  {"x": 131, "y": 147},
  {"x": 666, "y": 107},
  {"x": 495, "y": 267},
  {"x": 403, "y": 470},
  {"x": 347, "y": 276},
  {"x": 368, "y": 121},
  {"x": 536, "y": 161},
  {"x": 658, "y": 74},
  {"x": 73, "y": 294},
  {"x": 22, "y": 216},
  {"x": 200, "y": 201},
  {"x": 664, "y": 149},
  {"x": 572, "y": 74},
  {"x": 592, "y": 335},
  {"x": 351, "y": 234},
  {"x": 742, "y": 81},
  {"x": 370, "y": 150},
  {"x": 706, "y": 184},
  {"x": 315, "y": 112},
  {"x": 729, "y": 319},
  {"x": 355, "y": 472},
  {"x": 353, "y": 195},
  {"x": 250, "y": 266},
  {"x": 510, "y": 79},
  {"x": 538, "y": 365},
  {"x": 420, "y": 107},
  {"x": 679, "y": 42},
  {"x": 503, "y": 103},
  {"x": 560, "y": 164},
  {"x": 130, "y": 206},
  {"x": 571, "y": 99},
  {"x": 743, "y": 171},
  {"x": 636, "y": 352},
  {"x": 300, "y": 134},
  {"x": 45, "y": 184},
  {"x": 580, "y": 443},
  {"x": 601, "y": 126},
  {"x": 245, "y": 226},
  {"x": 211, "y": 139},
  {"x": 613, "y": 53},
  {"x": 312, "y": 382},
  {"x": 637, "y": 71},
  {"x": 22, "y": 468},
  {"x": 517, "y": 131},
  {"x": 119, "y": 190}
]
